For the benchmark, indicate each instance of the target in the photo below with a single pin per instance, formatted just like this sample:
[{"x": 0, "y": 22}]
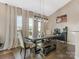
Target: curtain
[
  {"x": 11, "y": 38},
  {"x": 2, "y": 22},
  {"x": 44, "y": 26},
  {"x": 35, "y": 28},
  {"x": 25, "y": 17},
  {"x": 10, "y": 35}
]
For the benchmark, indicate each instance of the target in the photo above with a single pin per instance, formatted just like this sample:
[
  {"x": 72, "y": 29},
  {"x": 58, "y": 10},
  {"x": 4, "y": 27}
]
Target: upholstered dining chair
[{"x": 26, "y": 44}]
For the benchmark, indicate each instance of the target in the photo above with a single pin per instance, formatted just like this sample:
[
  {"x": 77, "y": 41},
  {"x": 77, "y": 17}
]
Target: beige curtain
[
  {"x": 35, "y": 28},
  {"x": 44, "y": 26},
  {"x": 11, "y": 40},
  {"x": 25, "y": 18},
  {"x": 2, "y": 23}
]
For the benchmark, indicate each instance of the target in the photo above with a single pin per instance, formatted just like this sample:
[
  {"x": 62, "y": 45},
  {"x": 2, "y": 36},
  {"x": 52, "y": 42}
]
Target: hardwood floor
[
  {"x": 7, "y": 56},
  {"x": 62, "y": 52}
]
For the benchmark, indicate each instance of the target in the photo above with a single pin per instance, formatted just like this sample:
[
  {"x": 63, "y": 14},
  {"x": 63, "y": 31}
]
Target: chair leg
[{"x": 24, "y": 53}]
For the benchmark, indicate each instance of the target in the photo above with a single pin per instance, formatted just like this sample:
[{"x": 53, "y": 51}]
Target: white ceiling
[{"x": 44, "y": 7}]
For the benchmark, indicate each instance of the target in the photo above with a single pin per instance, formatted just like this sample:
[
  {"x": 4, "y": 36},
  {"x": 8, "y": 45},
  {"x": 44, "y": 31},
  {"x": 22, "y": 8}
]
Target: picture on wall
[{"x": 61, "y": 19}]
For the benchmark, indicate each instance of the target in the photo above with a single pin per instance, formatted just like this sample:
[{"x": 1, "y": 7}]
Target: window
[
  {"x": 19, "y": 23},
  {"x": 30, "y": 27},
  {"x": 19, "y": 27},
  {"x": 39, "y": 28}
]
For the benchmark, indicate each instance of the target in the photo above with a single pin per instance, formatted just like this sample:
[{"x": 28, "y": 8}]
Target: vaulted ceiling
[{"x": 44, "y": 7}]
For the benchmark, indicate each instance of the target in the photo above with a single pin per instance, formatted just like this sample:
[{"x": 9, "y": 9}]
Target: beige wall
[{"x": 72, "y": 11}]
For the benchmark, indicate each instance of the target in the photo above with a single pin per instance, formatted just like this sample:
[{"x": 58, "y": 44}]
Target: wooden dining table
[{"x": 37, "y": 39}]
